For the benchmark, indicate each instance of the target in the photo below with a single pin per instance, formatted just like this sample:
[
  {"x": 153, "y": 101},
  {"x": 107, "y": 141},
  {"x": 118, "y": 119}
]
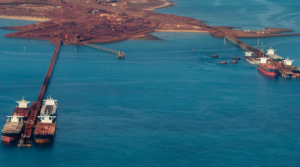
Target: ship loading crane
[{"x": 26, "y": 136}]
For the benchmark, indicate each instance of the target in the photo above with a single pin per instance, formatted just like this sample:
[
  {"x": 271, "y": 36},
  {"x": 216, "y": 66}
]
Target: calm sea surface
[{"x": 163, "y": 105}]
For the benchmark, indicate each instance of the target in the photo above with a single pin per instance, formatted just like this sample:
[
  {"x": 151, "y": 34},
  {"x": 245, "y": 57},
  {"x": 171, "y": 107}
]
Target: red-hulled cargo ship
[
  {"x": 289, "y": 65},
  {"x": 268, "y": 69},
  {"x": 13, "y": 127},
  {"x": 45, "y": 129}
]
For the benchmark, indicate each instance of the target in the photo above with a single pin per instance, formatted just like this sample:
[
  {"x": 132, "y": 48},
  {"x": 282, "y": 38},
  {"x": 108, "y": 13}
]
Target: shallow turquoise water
[{"x": 163, "y": 105}]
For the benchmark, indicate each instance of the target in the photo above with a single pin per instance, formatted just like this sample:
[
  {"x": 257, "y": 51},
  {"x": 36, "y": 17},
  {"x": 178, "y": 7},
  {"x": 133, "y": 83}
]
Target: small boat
[
  {"x": 234, "y": 62},
  {"x": 215, "y": 56},
  {"x": 193, "y": 50},
  {"x": 236, "y": 58},
  {"x": 223, "y": 62}
]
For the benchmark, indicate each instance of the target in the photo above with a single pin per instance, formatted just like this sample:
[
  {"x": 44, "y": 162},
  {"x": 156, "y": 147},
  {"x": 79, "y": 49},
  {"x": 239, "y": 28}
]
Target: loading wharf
[
  {"x": 26, "y": 136},
  {"x": 42, "y": 130},
  {"x": 257, "y": 54},
  {"x": 120, "y": 55}
]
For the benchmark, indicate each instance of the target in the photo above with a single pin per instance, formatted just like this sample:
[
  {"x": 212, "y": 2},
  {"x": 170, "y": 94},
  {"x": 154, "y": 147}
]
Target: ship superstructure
[
  {"x": 271, "y": 53},
  {"x": 45, "y": 128}
]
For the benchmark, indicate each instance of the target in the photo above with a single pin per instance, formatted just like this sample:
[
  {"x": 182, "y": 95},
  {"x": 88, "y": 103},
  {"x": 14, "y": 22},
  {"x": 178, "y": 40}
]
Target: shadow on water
[{"x": 9, "y": 144}]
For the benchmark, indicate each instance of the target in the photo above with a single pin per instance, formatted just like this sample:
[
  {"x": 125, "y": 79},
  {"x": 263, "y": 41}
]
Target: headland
[
  {"x": 105, "y": 21},
  {"x": 40, "y": 19}
]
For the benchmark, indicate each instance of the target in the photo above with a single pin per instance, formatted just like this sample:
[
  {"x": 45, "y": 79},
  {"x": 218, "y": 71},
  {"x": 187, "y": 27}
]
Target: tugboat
[
  {"x": 193, "y": 50},
  {"x": 236, "y": 58},
  {"x": 266, "y": 68},
  {"x": 45, "y": 128},
  {"x": 223, "y": 62},
  {"x": 234, "y": 62},
  {"x": 214, "y": 56}
]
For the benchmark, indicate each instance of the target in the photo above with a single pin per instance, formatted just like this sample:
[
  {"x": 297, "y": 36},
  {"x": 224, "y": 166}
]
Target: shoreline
[
  {"x": 28, "y": 18},
  {"x": 182, "y": 31},
  {"x": 165, "y": 5}
]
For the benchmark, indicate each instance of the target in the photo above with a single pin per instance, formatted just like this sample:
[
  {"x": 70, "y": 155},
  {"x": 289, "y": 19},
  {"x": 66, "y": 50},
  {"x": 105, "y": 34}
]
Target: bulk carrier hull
[
  {"x": 43, "y": 139},
  {"x": 44, "y": 132},
  {"x": 268, "y": 72},
  {"x": 9, "y": 139}
]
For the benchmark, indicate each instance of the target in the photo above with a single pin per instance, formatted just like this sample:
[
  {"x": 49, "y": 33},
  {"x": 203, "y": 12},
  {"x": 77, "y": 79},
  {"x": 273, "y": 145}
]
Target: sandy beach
[
  {"x": 166, "y": 4},
  {"x": 25, "y": 18}
]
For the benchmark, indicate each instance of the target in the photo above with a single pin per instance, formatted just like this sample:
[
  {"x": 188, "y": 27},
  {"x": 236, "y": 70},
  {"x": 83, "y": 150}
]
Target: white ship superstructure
[
  {"x": 271, "y": 53},
  {"x": 288, "y": 62},
  {"x": 47, "y": 118},
  {"x": 248, "y": 53},
  {"x": 23, "y": 103}
]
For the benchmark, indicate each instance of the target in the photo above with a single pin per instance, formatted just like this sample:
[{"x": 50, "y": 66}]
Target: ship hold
[
  {"x": 13, "y": 127},
  {"x": 267, "y": 69},
  {"x": 45, "y": 128}
]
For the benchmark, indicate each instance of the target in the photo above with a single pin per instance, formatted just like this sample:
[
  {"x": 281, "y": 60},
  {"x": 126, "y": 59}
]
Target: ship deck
[
  {"x": 22, "y": 112},
  {"x": 267, "y": 66},
  {"x": 45, "y": 129},
  {"x": 48, "y": 109},
  {"x": 252, "y": 60},
  {"x": 12, "y": 127}
]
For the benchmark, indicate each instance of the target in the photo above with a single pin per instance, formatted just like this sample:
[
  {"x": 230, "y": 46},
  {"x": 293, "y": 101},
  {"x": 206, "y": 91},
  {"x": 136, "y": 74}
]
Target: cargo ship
[
  {"x": 45, "y": 128},
  {"x": 266, "y": 68},
  {"x": 289, "y": 65},
  {"x": 13, "y": 127}
]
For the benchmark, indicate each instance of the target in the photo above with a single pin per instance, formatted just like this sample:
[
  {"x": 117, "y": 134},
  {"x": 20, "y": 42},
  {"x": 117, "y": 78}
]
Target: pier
[
  {"x": 237, "y": 42},
  {"x": 258, "y": 54},
  {"x": 120, "y": 55},
  {"x": 26, "y": 136}
]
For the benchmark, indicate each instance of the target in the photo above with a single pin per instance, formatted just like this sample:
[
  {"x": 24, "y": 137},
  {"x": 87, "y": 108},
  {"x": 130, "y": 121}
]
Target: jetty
[
  {"x": 26, "y": 136},
  {"x": 120, "y": 55},
  {"x": 254, "y": 58}
]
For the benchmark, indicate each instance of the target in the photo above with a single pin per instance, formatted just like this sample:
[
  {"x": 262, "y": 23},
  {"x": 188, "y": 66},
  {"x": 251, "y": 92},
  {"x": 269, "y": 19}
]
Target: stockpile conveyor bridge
[{"x": 120, "y": 55}]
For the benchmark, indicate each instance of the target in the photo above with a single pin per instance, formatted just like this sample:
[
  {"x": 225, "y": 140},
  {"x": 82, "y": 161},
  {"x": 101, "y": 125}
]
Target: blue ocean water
[{"x": 163, "y": 105}]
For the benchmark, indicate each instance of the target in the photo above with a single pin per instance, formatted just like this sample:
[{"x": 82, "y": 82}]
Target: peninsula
[{"x": 106, "y": 21}]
